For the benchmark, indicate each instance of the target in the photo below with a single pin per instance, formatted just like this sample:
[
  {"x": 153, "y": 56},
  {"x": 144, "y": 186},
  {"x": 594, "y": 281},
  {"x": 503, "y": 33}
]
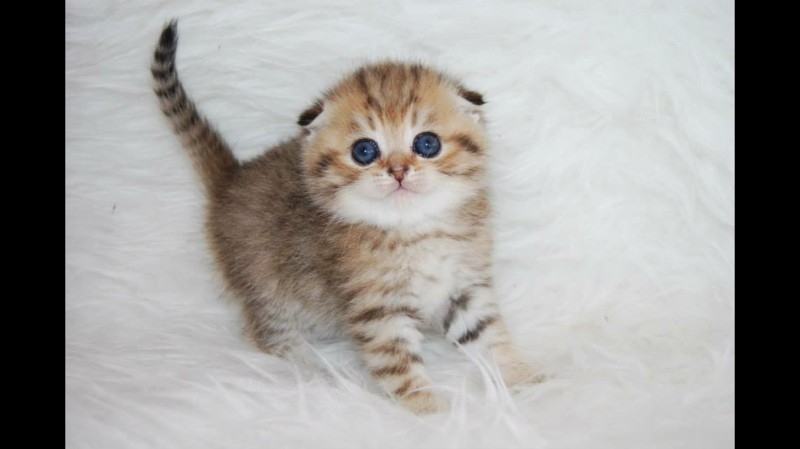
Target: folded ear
[
  {"x": 310, "y": 114},
  {"x": 471, "y": 102},
  {"x": 471, "y": 96}
]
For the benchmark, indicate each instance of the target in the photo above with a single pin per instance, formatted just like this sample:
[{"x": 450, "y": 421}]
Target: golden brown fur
[{"x": 316, "y": 244}]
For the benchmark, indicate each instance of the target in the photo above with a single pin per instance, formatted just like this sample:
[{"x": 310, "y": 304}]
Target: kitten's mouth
[{"x": 401, "y": 190}]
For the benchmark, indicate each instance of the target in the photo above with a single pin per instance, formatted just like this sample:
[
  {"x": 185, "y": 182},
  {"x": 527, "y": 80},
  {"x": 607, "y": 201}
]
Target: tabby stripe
[
  {"x": 176, "y": 109},
  {"x": 412, "y": 357},
  {"x": 399, "y": 368},
  {"x": 379, "y": 313},
  {"x": 468, "y": 144},
  {"x": 473, "y": 334},
  {"x": 468, "y": 173},
  {"x": 403, "y": 357},
  {"x": 483, "y": 284},
  {"x": 457, "y": 304},
  {"x": 392, "y": 370},
  {"x": 373, "y": 104},
  {"x": 161, "y": 74},
  {"x": 362, "y": 338},
  {"x": 180, "y": 103},
  {"x": 448, "y": 319},
  {"x": 415, "y": 74},
  {"x": 188, "y": 124},
  {"x": 438, "y": 235},
  {"x": 396, "y": 346},
  {"x": 164, "y": 55},
  {"x": 167, "y": 88},
  {"x": 204, "y": 135},
  {"x": 322, "y": 164},
  {"x": 383, "y": 78},
  {"x": 404, "y": 387},
  {"x": 361, "y": 77}
]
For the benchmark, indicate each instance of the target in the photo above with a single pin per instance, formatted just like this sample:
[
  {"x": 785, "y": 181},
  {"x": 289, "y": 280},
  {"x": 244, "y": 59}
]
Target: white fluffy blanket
[{"x": 613, "y": 186}]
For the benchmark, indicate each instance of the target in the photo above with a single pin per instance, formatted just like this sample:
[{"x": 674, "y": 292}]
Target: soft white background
[{"x": 613, "y": 183}]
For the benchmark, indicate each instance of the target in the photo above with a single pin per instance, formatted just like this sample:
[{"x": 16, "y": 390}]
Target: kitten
[{"x": 371, "y": 223}]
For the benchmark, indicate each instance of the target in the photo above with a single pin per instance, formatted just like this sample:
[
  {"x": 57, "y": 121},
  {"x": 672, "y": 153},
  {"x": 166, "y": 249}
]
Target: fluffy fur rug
[{"x": 612, "y": 176}]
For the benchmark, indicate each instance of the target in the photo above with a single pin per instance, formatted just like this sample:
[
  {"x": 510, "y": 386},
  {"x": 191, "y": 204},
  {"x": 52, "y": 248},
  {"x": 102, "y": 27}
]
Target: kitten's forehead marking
[{"x": 388, "y": 92}]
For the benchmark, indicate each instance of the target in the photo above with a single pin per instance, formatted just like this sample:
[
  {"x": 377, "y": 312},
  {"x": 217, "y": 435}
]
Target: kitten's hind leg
[
  {"x": 390, "y": 345},
  {"x": 473, "y": 319},
  {"x": 272, "y": 326}
]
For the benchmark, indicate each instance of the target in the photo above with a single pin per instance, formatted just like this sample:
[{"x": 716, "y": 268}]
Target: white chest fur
[{"x": 438, "y": 270}]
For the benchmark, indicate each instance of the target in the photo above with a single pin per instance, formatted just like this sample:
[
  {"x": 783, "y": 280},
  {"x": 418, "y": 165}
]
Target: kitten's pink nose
[{"x": 398, "y": 171}]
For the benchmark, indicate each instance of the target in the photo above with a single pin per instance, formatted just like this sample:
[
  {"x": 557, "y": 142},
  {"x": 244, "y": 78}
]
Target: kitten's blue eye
[
  {"x": 427, "y": 145},
  {"x": 365, "y": 151}
]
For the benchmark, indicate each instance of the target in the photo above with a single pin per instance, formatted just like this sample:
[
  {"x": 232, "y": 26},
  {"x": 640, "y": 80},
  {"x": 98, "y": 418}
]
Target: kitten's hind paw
[
  {"x": 424, "y": 402},
  {"x": 521, "y": 373}
]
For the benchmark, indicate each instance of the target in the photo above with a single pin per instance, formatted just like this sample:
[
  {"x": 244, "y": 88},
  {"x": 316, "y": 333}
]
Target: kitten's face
[{"x": 394, "y": 145}]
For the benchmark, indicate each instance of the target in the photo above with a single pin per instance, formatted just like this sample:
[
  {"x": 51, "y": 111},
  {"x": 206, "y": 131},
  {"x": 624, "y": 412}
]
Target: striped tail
[{"x": 211, "y": 156}]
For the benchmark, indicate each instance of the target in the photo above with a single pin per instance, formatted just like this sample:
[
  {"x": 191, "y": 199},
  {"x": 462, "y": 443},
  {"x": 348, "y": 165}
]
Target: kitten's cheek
[{"x": 377, "y": 189}]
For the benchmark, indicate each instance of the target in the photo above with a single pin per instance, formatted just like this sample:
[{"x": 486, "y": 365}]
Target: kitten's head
[{"x": 394, "y": 145}]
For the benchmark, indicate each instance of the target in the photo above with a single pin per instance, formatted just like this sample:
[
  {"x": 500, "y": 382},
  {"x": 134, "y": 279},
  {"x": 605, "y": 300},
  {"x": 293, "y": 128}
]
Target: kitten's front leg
[
  {"x": 390, "y": 346},
  {"x": 473, "y": 318}
]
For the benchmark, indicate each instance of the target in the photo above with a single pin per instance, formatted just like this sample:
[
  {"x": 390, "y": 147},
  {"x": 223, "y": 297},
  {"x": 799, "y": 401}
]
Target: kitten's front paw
[
  {"x": 424, "y": 402},
  {"x": 518, "y": 373}
]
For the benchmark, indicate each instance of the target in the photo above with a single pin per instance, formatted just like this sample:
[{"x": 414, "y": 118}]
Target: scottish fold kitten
[{"x": 370, "y": 223}]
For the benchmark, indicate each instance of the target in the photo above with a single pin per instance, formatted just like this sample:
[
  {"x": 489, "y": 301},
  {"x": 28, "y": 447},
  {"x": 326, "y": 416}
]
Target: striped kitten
[{"x": 371, "y": 223}]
